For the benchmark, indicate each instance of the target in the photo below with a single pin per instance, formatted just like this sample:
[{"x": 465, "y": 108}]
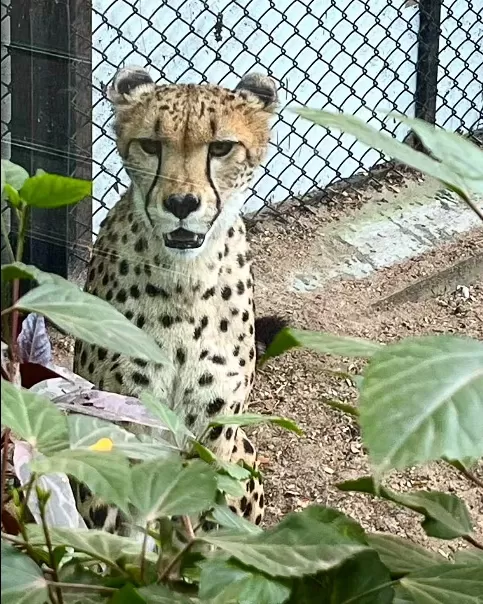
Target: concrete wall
[{"x": 337, "y": 55}]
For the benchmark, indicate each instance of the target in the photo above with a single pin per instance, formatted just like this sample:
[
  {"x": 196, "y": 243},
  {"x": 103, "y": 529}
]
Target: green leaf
[
  {"x": 54, "y": 191},
  {"x": 225, "y": 581},
  {"x": 230, "y": 486},
  {"x": 96, "y": 544},
  {"x": 222, "y": 515},
  {"x": 127, "y": 595},
  {"x": 401, "y": 556},
  {"x": 445, "y": 584},
  {"x": 387, "y": 144},
  {"x": 363, "y": 579},
  {"x": 19, "y": 270},
  {"x": 166, "y": 488},
  {"x": 344, "y": 407},
  {"x": 469, "y": 556},
  {"x": 34, "y": 419},
  {"x": 159, "y": 594},
  {"x": 234, "y": 470},
  {"x": 446, "y": 516},
  {"x": 324, "y": 343},
  {"x": 421, "y": 400},
  {"x": 85, "y": 431},
  {"x": 254, "y": 419},
  {"x": 105, "y": 473},
  {"x": 168, "y": 417},
  {"x": 13, "y": 174},
  {"x": 22, "y": 580},
  {"x": 453, "y": 150},
  {"x": 90, "y": 319},
  {"x": 12, "y": 195},
  {"x": 303, "y": 543},
  {"x": 204, "y": 453},
  {"x": 401, "y": 596}
]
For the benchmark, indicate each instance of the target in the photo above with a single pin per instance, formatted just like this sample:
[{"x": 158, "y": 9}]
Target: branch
[
  {"x": 43, "y": 498},
  {"x": 191, "y": 541},
  {"x": 473, "y": 542}
]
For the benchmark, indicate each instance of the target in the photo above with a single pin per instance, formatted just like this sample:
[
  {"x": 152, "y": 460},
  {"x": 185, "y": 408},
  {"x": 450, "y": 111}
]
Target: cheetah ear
[
  {"x": 261, "y": 86},
  {"x": 128, "y": 83}
]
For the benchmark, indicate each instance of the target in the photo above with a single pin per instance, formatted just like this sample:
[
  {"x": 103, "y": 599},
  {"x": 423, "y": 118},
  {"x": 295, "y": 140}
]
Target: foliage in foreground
[{"x": 420, "y": 400}]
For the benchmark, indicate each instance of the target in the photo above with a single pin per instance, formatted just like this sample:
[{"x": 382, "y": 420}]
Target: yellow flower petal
[{"x": 103, "y": 444}]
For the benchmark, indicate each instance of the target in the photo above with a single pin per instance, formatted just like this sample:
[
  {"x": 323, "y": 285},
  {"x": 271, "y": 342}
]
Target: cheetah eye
[
  {"x": 150, "y": 146},
  {"x": 221, "y": 148}
]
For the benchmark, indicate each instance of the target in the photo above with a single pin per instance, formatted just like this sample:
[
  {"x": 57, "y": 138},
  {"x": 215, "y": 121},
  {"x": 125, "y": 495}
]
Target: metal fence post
[
  {"x": 427, "y": 61},
  {"x": 41, "y": 116}
]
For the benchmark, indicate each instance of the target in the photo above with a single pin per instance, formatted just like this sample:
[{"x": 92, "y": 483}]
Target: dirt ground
[{"x": 303, "y": 470}]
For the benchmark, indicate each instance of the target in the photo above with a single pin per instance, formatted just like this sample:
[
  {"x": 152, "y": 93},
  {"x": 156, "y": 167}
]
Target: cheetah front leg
[{"x": 251, "y": 505}]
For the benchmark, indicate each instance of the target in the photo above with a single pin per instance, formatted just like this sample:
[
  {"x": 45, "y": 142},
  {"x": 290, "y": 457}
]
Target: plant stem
[
  {"x": 6, "y": 238},
  {"x": 24, "y": 220},
  {"x": 189, "y": 527},
  {"x": 83, "y": 586},
  {"x": 474, "y": 207},
  {"x": 6, "y": 442},
  {"x": 143, "y": 552},
  {"x": 471, "y": 477},
  {"x": 165, "y": 573},
  {"x": 473, "y": 542},
  {"x": 53, "y": 563}
]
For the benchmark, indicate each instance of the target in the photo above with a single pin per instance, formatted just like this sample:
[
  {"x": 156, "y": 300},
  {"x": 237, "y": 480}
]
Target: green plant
[{"x": 317, "y": 555}]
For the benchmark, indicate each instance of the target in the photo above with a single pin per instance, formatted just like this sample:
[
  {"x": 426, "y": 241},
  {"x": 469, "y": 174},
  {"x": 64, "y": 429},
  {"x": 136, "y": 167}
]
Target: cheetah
[{"x": 172, "y": 254}]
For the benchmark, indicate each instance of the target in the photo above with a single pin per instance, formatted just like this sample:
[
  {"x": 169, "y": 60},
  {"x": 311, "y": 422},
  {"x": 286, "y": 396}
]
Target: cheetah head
[{"x": 190, "y": 151}]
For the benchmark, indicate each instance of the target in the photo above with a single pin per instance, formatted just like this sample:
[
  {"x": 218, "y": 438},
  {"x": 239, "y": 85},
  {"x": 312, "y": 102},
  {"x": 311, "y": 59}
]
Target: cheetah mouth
[{"x": 182, "y": 239}]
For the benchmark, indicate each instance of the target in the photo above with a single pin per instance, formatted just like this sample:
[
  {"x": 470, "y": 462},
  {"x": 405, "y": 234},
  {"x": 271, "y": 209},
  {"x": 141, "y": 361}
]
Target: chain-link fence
[{"x": 418, "y": 57}]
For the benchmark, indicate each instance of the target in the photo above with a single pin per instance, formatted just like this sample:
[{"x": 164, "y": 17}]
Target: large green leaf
[
  {"x": 54, "y": 191},
  {"x": 96, "y": 544},
  {"x": 19, "y": 270},
  {"x": 107, "y": 474},
  {"x": 387, "y": 144},
  {"x": 453, "y": 150},
  {"x": 223, "y": 581},
  {"x": 325, "y": 343},
  {"x": 401, "y": 556},
  {"x": 22, "y": 580},
  {"x": 304, "y": 543},
  {"x": 362, "y": 579},
  {"x": 90, "y": 319},
  {"x": 169, "y": 418},
  {"x": 166, "y": 488},
  {"x": 159, "y": 594},
  {"x": 127, "y": 595},
  {"x": 13, "y": 174},
  {"x": 445, "y": 584},
  {"x": 87, "y": 432},
  {"x": 229, "y": 485},
  {"x": 254, "y": 419},
  {"x": 33, "y": 418},
  {"x": 222, "y": 515},
  {"x": 446, "y": 516},
  {"x": 470, "y": 555},
  {"x": 421, "y": 400}
]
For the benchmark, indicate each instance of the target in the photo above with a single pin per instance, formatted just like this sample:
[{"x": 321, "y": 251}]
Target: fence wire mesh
[{"x": 361, "y": 57}]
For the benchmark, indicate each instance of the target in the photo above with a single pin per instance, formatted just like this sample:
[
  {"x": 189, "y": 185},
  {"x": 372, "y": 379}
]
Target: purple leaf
[{"x": 33, "y": 341}]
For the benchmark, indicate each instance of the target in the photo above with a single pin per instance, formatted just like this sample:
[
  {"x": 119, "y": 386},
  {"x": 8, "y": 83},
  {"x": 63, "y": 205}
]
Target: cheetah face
[{"x": 190, "y": 151}]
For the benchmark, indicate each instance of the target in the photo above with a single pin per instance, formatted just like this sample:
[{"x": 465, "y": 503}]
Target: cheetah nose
[{"x": 181, "y": 205}]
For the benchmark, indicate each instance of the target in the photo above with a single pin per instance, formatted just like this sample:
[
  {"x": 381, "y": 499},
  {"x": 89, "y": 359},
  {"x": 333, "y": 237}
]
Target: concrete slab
[{"x": 395, "y": 226}]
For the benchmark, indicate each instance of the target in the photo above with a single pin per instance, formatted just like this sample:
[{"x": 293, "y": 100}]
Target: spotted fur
[{"x": 197, "y": 302}]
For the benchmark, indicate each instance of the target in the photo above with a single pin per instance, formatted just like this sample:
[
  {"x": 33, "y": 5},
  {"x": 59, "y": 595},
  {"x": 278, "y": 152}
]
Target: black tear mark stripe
[
  {"x": 212, "y": 185},
  {"x": 151, "y": 188}
]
